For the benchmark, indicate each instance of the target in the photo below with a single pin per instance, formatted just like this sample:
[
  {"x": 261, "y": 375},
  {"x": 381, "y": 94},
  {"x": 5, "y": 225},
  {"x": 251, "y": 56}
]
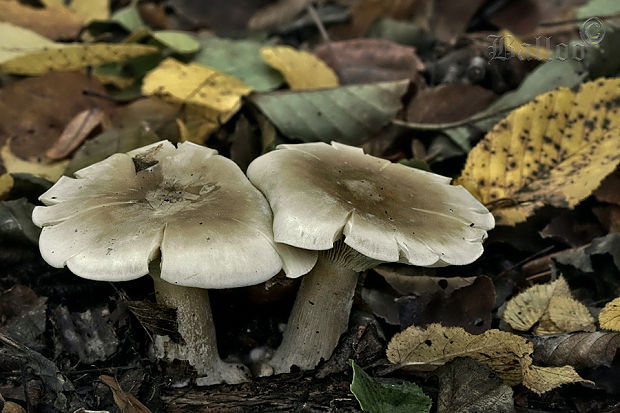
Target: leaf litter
[{"x": 411, "y": 81}]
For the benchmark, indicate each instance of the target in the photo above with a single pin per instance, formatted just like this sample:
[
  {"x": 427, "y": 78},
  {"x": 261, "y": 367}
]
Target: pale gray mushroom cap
[
  {"x": 192, "y": 207},
  {"x": 388, "y": 212}
]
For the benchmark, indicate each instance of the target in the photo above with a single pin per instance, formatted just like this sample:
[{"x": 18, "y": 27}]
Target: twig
[{"x": 321, "y": 28}]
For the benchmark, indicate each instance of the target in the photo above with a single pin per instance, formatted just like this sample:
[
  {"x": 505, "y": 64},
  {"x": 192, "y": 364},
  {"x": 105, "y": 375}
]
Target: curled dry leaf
[
  {"x": 580, "y": 350},
  {"x": 570, "y": 315},
  {"x": 75, "y": 132},
  {"x": 609, "y": 318},
  {"x": 126, "y": 402},
  {"x": 507, "y": 354},
  {"x": 371, "y": 60},
  {"x": 553, "y": 151},
  {"x": 301, "y": 70}
]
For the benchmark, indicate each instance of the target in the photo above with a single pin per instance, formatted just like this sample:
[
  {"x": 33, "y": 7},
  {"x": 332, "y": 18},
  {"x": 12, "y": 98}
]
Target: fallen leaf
[
  {"x": 75, "y": 132},
  {"x": 72, "y": 57},
  {"x": 527, "y": 308},
  {"x": 450, "y": 19},
  {"x": 365, "y": 12},
  {"x": 347, "y": 114},
  {"x": 544, "y": 78},
  {"x": 580, "y": 350},
  {"x": 408, "y": 280},
  {"x": 301, "y": 70},
  {"x": 371, "y": 60},
  {"x": 34, "y": 111},
  {"x": 608, "y": 190},
  {"x": 126, "y": 402},
  {"x": 50, "y": 170},
  {"x": 11, "y": 407},
  {"x": 609, "y": 318},
  {"x": 16, "y": 222},
  {"x": 210, "y": 97},
  {"x": 378, "y": 397},
  {"x": 582, "y": 259},
  {"x": 467, "y": 386},
  {"x": 448, "y": 102},
  {"x": 609, "y": 217},
  {"x": 17, "y": 41},
  {"x": 507, "y": 354},
  {"x": 569, "y": 315},
  {"x": 543, "y": 379},
  {"x": 87, "y": 10},
  {"x": 89, "y": 334},
  {"x": 553, "y": 151},
  {"x": 180, "y": 42},
  {"x": 238, "y": 58},
  {"x": 430, "y": 348},
  {"x": 55, "y": 22},
  {"x": 524, "y": 51},
  {"x": 469, "y": 307},
  {"x": 6, "y": 183},
  {"x": 276, "y": 14},
  {"x": 231, "y": 16}
]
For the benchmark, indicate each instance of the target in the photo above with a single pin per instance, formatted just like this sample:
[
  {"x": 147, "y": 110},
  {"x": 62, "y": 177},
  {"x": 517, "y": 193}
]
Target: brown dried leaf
[
  {"x": 371, "y": 60},
  {"x": 126, "y": 402},
  {"x": 448, "y": 102},
  {"x": 75, "y": 132},
  {"x": 580, "y": 350},
  {"x": 56, "y": 23},
  {"x": 34, "y": 111}
]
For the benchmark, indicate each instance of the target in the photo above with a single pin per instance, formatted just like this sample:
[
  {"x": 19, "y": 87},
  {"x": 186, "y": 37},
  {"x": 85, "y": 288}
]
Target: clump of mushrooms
[
  {"x": 358, "y": 211},
  {"x": 190, "y": 213}
]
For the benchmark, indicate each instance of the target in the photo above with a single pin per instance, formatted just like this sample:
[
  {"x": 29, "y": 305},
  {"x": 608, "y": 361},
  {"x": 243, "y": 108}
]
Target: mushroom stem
[
  {"x": 319, "y": 316},
  {"x": 196, "y": 328}
]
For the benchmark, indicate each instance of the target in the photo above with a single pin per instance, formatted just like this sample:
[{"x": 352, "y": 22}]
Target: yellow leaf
[
  {"x": 430, "y": 348},
  {"x": 523, "y": 50},
  {"x": 210, "y": 97},
  {"x": 48, "y": 170},
  {"x": 72, "y": 57},
  {"x": 542, "y": 379},
  {"x": 509, "y": 355},
  {"x": 609, "y": 318},
  {"x": 527, "y": 308},
  {"x": 86, "y": 10},
  {"x": 569, "y": 315},
  {"x": 302, "y": 70},
  {"x": 554, "y": 151},
  {"x": 6, "y": 183}
]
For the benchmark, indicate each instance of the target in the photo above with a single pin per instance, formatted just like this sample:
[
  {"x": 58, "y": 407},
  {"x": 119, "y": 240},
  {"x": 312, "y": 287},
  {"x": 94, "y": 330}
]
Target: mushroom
[
  {"x": 189, "y": 212},
  {"x": 358, "y": 211}
]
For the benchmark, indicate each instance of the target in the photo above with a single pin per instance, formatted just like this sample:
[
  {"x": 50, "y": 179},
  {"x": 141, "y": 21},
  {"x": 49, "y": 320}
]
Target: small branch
[{"x": 450, "y": 125}]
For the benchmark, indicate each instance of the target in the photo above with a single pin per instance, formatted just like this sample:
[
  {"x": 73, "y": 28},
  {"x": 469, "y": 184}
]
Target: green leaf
[
  {"x": 378, "y": 397},
  {"x": 16, "y": 222},
  {"x": 178, "y": 41},
  {"x": 241, "y": 59},
  {"x": 347, "y": 114},
  {"x": 128, "y": 17},
  {"x": 544, "y": 78}
]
